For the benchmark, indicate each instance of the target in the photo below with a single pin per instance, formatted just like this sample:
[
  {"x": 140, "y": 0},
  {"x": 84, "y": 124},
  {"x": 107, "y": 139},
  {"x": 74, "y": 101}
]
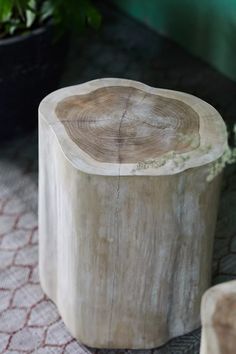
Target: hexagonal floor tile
[
  {"x": 27, "y": 339},
  {"x": 43, "y": 314},
  {"x": 58, "y": 334},
  {"x": 14, "y": 277},
  {"x": 6, "y": 223},
  {"x": 12, "y": 320},
  {"x": 28, "y": 295},
  {"x": 15, "y": 239}
]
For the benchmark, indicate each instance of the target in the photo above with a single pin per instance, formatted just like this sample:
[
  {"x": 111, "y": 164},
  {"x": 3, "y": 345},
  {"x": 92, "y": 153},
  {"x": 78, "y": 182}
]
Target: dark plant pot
[{"x": 30, "y": 68}]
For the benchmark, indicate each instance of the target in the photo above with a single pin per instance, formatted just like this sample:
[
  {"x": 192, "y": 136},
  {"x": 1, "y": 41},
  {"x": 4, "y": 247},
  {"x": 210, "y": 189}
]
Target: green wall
[{"x": 207, "y": 28}]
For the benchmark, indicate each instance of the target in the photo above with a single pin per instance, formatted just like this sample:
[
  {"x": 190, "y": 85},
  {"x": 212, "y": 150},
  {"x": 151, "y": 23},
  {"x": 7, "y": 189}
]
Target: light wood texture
[
  {"x": 126, "y": 216},
  {"x": 123, "y": 124},
  {"x": 218, "y": 314}
]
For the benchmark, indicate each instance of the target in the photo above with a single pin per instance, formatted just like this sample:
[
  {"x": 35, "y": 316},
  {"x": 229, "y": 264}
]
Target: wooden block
[
  {"x": 218, "y": 314},
  {"x": 126, "y": 215}
]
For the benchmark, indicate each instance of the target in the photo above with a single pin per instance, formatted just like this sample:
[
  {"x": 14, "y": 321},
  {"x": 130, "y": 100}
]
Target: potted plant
[{"x": 33, "y": 45}]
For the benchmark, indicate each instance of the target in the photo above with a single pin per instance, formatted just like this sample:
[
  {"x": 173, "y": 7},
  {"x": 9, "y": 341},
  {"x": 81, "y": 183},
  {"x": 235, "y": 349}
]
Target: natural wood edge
[
  {"x": 218, "y": 316},
  {"x": 213, "y": 134}
]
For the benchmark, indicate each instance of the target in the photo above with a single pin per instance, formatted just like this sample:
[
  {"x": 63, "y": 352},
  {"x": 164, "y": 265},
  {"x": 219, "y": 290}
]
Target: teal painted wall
[{"x": 207, "y": 28}]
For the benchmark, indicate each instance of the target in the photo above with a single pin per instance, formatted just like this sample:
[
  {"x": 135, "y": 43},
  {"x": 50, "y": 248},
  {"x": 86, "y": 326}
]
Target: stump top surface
[
  {"x": 116, "y": 126},
  {"x": 119, "y": 124}
]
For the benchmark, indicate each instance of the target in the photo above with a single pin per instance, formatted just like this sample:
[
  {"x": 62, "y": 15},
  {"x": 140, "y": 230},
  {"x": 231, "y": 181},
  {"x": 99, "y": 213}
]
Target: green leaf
[
  {"x": 20, "y": 6},
  {"x": 21, "y": 15},
  {"x": 6, "y": 8},
  {"x": 12, "y": 26},
  {"x": 30, "y": 13},
  {"x": 46, "y": 11},
  {"x": 93, "y": 17}
]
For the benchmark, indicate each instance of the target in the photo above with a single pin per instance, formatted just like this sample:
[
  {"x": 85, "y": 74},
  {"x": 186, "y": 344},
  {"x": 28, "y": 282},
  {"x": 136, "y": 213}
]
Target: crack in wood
[{"x": 117, "y": 211}]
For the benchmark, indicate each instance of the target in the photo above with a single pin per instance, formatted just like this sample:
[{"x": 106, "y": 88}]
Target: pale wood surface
[
  {"x": 125, "y": 247},
  {"x": 205, "y": 121},
  {"x": 218, "y": 314},
  {"x": 126, "y": 124}
]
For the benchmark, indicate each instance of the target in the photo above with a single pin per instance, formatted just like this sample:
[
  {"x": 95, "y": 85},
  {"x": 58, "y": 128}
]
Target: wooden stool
[{"x": 126, "y": 215}]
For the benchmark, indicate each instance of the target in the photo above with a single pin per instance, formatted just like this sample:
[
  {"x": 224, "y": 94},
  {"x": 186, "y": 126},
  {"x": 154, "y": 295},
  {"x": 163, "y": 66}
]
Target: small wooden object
[
  {"x": 218, "y": 313},
  {"x": 126, "y": 215}
]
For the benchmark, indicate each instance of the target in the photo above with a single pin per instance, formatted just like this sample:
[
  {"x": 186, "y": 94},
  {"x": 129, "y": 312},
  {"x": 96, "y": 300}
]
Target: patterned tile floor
[{"x": 29, "y": 321}]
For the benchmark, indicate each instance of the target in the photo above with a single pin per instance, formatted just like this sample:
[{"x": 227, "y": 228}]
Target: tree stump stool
[
  {"x": 218, "y": 313},
  {"x": 126, "y": 214}
]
